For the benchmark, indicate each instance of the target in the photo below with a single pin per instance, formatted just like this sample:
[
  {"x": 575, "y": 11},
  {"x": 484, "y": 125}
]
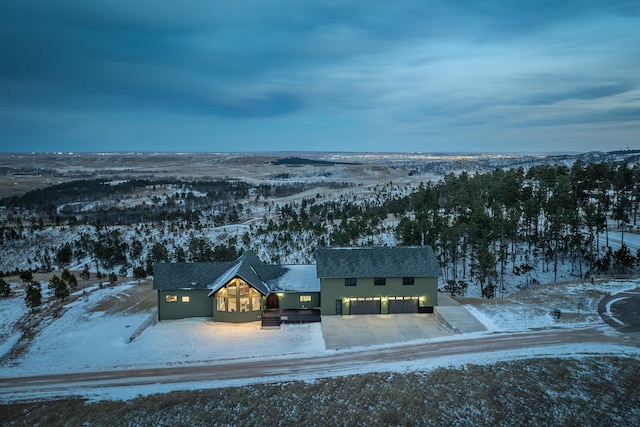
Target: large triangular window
[{"x": 238, "y": 296}]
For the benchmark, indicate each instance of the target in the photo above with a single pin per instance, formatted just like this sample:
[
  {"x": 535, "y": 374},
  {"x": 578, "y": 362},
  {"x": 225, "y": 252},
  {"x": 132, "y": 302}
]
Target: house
[
  {"x": 344, "y": 281},
  {"x": 235, "y": 291},
  {"x": 377, "y": 280}
]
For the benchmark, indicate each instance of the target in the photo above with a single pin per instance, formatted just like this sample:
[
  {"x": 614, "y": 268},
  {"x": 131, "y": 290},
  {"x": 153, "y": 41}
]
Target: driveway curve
[{"x": 622, "y": 312}]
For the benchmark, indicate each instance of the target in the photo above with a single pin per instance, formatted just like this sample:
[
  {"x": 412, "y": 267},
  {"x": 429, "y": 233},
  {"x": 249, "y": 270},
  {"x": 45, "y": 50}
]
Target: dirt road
[{"x": 328, "y": 364}]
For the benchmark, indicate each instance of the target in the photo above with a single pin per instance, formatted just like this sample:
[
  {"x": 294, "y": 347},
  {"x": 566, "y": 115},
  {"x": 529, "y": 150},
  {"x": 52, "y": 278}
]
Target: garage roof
[{"x": 383, "y": 261}]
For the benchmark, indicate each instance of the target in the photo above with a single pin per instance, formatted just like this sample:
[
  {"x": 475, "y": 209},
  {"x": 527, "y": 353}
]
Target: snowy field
[
  {"x": 86, "y": 338},
  {"x": 532, "y": 307}
]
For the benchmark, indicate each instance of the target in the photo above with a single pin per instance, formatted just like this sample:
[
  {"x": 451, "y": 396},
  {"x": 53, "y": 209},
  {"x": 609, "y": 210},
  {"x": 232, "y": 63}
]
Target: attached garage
[
  {"x": 377, "y": 280},
  {"x": 365, "y": 306},
  {"x": 403, "y": 305}
]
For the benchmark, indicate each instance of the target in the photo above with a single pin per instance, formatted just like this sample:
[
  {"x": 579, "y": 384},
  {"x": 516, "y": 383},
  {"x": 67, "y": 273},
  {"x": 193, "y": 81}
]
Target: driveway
[
  {"x": 622, "y": 311},
  {"x": 449, "y": 318},
  {"x": 374, "y": 329}
]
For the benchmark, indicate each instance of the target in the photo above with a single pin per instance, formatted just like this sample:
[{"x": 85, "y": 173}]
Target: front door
[
  {"x": 339, "y": 307},
  {"x": 272, "y": 302}
]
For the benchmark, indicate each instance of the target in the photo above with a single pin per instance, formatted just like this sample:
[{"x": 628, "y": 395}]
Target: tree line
[{"x": 481, "y": 224}]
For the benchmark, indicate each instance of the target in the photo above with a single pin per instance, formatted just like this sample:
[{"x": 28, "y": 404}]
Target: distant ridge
[{"x": 298, "y": 161}]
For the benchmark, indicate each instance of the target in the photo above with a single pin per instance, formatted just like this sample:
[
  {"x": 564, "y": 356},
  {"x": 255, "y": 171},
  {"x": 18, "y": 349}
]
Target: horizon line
[{"x": 275, "y": 152}]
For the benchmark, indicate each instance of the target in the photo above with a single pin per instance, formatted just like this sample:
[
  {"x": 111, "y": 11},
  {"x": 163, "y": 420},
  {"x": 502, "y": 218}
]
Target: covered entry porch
[{"x": 291, "y": 307}]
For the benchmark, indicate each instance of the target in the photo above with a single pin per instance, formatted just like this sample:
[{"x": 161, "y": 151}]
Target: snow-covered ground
[
  {"x": 86, "y": 338},
  {"x": 533, "y": 307},
  {"x": 616, "y": 238},
  {"x": 11, "y": 310}
]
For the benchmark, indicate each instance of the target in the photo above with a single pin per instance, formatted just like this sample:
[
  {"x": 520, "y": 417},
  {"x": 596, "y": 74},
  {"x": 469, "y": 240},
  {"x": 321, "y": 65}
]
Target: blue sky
[{"x": 202, "y": 75}]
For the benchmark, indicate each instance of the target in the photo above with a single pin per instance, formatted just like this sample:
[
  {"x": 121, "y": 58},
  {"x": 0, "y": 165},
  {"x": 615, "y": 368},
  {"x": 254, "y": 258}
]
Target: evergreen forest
[{"x": 484, "y": 227}]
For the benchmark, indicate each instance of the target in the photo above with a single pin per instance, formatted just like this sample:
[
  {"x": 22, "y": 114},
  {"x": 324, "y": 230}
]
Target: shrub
[{"x": 5, "y": 288}]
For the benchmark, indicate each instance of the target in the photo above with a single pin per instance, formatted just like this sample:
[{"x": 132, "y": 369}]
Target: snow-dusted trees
[
  {"x": 483, "y": 226},
  {"x": 493, "y": 220}
]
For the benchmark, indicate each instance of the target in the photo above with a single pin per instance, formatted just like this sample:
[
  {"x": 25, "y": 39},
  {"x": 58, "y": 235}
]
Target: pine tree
[
  {"x": 623, "y": 258},
  {"x": 5, "y": 288},
  {"x": 59, "y": 287},
  {"x": 33, "y": 295},
  {"x": 139, "y": 273},
  {"x": 69, "y": 278},
  {"x": 73, "y": 282},
  {"x": 26, "y": 276},
  {"x": 64, "y": 255},
  {"x": 66, "y": 274},
  {"x": 85, "y": 273}
]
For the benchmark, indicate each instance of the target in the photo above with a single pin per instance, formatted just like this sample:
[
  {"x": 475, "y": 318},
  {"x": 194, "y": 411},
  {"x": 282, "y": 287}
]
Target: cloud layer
[{"x": 337, "y": 75}]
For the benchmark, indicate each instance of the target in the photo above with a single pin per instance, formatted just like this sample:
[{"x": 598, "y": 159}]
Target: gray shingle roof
[
  {"x": 384, "y": 261},
  {"x": 182, "y": 275},
  {"x": 213, "y": 275}
]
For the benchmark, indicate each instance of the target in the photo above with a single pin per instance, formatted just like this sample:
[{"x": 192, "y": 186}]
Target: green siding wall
[
  {"x": 199, "y": 305},
  {"x": 426, "y": 288},
  {"x": 237, "y": 316},
  {"x": 291, "y": 300}
]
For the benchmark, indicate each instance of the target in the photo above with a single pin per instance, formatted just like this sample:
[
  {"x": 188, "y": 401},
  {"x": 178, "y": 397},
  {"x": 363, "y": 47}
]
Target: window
[
  {"x": 379, "y": 281},
  {"x": 185, "y": 298},
  {"x": 255, "y": 303},
  {"x": 171, "y": 298},
  {"x": 244, "y": 289},
  {"x": 408, "y": 280},
  {"x": 305, "y": 298},
  {"x": 238, "y": 295},
  {"x": 244, "y": 304},
  {"x": 401, "y": 298},
  {"x": 232, "y": 288},
  {"x": 350, "y": 281}
]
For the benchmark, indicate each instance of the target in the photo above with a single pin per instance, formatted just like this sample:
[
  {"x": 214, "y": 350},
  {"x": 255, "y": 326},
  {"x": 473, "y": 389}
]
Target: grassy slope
[{"x": 592, "y": 391}]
